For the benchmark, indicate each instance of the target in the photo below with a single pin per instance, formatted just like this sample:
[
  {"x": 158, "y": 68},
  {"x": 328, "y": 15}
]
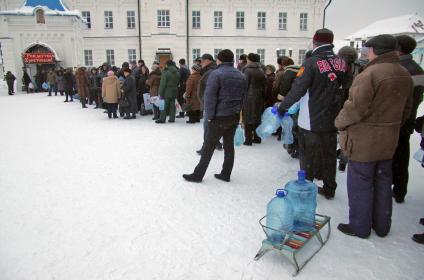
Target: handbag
[{"x": 124, "y": 103}]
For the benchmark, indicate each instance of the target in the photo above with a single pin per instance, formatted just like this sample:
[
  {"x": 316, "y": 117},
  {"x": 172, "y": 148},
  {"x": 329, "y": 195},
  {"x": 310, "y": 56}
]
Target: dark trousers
[
  {"x": 205, "y": 132},
  {"x": 400, "y": 167},
  {"x": 111, "y": 109},
  {"x": 51, "y": 88},
  {"x": 69, "y": 93},
  {"x": 250, "y": 133},
  {"x": 83, "y": 101},
  {"x": 194, "y": 116},
  {"x": 319, "y": 148},
  {"x": 370, "y": 197},
  {"x": 156, "y": 112},
  {"x": 219, "y": 127},
  {"x": 93, "y": 96},
  {"x": 10, "y": 88}
]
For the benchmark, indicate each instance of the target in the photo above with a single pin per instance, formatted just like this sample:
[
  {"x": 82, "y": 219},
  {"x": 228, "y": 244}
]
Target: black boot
[
  {"x": 326, "y": 193},
  {"x": 419, "y": 238},
  {"x": 345, "y": 228},
  {"x": 222, "y": 177},
  {"x": 181, "y": 115},
  {"x": 192, "y": 178}
]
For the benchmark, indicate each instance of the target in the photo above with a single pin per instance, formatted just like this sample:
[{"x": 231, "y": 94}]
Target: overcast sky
[{"x": 345, "y": 17}]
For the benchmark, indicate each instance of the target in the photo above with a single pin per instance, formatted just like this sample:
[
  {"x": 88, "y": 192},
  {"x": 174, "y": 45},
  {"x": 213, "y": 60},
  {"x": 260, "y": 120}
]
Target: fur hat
[{"x": 405, "y": 44}]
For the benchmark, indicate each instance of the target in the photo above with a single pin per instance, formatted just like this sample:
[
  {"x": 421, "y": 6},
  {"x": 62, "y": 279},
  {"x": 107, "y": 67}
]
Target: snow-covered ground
[{"x": 85, "y": 197}]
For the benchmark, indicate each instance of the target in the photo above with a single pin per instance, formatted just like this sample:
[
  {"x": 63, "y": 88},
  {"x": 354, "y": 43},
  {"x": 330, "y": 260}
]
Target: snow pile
[{"x": 85, "y": 197}]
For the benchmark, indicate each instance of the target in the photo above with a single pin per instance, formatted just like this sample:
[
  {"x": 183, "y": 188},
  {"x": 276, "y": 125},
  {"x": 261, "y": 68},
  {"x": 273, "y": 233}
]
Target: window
[
  {"x": 301, "y": 56},
  {"x": 163, "y": 18},
  {"x": 261, "y": 20},
  {"x": 132, "y": 56},
  {"x": 261, "y": 53},
  {"x": 238, "y": 53},
  {"x": 108, "y": 20},
  {"x": 110, "y": 57},
  {"x": 216, "y": 52},
  {"x": 282, "y": 21},
  {"x": 303, "y": 21},
  {"x": 240, "y": 20},
  {"x": 281, "y": 52},
  {"x": 88, "y": 57},
  {"x": 131, "y": 19},
  {"x": 195, "y": 15},
  {"x": 217, "y": 19},
  {"x": 87, "y": 17},
  {"x": 196, "y": 54},
  {"x": 39, "y": 14}
]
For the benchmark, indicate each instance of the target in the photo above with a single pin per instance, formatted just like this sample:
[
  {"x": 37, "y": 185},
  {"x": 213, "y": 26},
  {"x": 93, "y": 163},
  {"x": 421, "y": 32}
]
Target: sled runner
[{"x": 297, "y": 244}]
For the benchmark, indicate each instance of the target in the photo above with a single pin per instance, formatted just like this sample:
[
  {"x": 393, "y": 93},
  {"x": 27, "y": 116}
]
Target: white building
[
  {"x": 91, "y": 32},
  {"x": 412, "y": 25}
]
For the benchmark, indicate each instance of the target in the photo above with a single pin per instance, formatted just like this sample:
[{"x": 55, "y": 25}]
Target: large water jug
[
  {"x": 270, "y": 122},
  {"x": 287, "y": 129},
  {"x": 303, "y": 197},
  {"x": 294, "y": 109},
  {"x": 279, "y": 216},
  {"x": 419, "y": 156},
  {"x": 239, "y": 136}
]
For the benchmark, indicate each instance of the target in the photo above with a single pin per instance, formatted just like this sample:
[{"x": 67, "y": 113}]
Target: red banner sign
[{"x": 39, "y": 58}]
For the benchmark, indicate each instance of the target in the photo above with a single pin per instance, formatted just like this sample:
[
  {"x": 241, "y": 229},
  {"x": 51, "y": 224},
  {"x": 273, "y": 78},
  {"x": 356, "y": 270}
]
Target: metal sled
[{"x": 294, "y": 242}]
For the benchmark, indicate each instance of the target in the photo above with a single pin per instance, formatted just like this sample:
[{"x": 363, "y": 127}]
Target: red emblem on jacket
[{"x": 332, "y": 76}]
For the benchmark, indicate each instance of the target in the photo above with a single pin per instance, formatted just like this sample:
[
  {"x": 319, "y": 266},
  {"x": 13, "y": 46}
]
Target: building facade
[{"x": 91, "y": 32}]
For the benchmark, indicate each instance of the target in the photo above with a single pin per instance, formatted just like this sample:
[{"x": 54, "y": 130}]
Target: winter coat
[
  {"x": 82, "y": 83},
  {"x": 268, "y": 96},
  {"x": 95, "y": 81},
  {"x": 225, "y": 91},
  {"x": 240, "y": 66},
  {"x": 415, "y": 70},
  {"x": 154, "y": 81},
  {"x": 192, "y": 96},
  {"x": 141, "y": 86},
  {"x": 287, "y": 79},
  {"x": 253, "y": 105},
  {"x": 60, "y": 83},
  {"x": 68, "y": 81},
  {"x": 51, "y": 78},
  {"x": 169, "y": 81},
  {"x": 130, "y": 92},
  {"x": 318, "y": 85},
  {"x": 10, "y": 78},
  {"x": 205, "y": 72},
  {"x": 380, "y": 99},
  {"x": 277, "y": 82},
  {"x": 111, "y": 90},
  {"x": 184, "y": 74}
]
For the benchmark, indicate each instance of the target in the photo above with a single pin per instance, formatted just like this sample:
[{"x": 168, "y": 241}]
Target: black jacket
[
  {"x": 414, "y": 69},
  {"x": 319, "y": 84},
  {"x": 69, "y": 81}
]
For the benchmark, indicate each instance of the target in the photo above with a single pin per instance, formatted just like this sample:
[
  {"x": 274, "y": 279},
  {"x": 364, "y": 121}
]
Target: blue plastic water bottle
[
  {"x": 295, "y": 108},
  {"x": 279, "y": 216},
  {"x": 287, "y": 129},
  {"x": 270, "y": 121},
  {"x": 239, "y": 136},
  {"x": 303, "y": 198}
]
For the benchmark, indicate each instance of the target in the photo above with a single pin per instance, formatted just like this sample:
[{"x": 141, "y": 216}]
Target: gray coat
[
  {"x": 130, "y": 92},
  {"x": 253, "y": 105}
]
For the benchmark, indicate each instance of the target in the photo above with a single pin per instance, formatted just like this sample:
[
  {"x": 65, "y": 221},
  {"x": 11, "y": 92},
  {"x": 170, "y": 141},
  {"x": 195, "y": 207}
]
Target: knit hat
[
  {"x": 196, "y": 67},
  {"x": 207, "y": 56},
  {"x": 382, "y": 44},
  {"x": 226, "y": 56},
  {"x": 405, "y": 44},
  {"x": 253, "y": 57},
  {"x": 324, "y": 36},
  {"x": 110, "y": 73}
]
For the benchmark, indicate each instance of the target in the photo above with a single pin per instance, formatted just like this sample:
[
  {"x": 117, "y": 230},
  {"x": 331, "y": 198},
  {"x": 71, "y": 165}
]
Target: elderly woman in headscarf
[
  {"x": 191, "y": 95},
  {"x": 111, "y": 93}
]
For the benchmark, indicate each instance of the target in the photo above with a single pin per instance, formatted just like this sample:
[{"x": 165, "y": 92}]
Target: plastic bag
[{"x": 239, "y": 136}]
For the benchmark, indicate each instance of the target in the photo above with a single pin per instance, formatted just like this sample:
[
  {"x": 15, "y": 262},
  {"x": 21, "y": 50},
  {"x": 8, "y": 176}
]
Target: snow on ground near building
[{"x": 85, "y": 197}]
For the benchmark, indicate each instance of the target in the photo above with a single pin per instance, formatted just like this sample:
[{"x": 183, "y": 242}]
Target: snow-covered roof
[
  {"x": 50, "y": 7},
  {"x": 396, "y": 25}
]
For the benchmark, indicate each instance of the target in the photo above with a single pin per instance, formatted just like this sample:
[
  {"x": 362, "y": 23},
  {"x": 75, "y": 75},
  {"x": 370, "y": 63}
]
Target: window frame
[
  {"x": 240, "y": 20},
  {"x": 195, "y": 19},
  {"x": 261, "y": 20},
  {"x": 108, "y": 19},
  {"x": 88, "y": 57},
  {"x": 163, "y": 18},
  {"x": 217, "y": 19},
  {"x": 282, "y": 20},
  {"x": 110, "y": 57},
  {"x": 303, "y": 21},
  {"x": 86, "y": 15},
  {"x": 131, "y": 19}
]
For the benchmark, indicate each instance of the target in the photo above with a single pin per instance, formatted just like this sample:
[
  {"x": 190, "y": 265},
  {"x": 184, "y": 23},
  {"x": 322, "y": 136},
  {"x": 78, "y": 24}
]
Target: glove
[{"x": 280, "y": 97}]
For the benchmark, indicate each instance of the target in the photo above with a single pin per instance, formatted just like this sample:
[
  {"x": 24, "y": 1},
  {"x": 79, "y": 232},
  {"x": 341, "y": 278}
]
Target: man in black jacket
[
  {"x": 406, "y": 46},
  {"x": 318, "y": 86},
  {"x": 184, "y": 73},
  {"x": 224, "y": 94}
]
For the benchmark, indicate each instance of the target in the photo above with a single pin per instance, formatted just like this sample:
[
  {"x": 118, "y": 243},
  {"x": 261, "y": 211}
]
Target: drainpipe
[
  {"x": 326, "y": 6},
  {"x": 187, "y": 35},
  {"x": 139, "y": 28}
]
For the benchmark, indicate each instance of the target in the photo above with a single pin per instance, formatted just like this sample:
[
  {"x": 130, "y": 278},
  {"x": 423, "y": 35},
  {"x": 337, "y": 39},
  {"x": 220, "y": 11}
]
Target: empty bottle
[
  {"x": 295, "y": 108},
  {"x": 270, "y": 122},
  {"x": 303, "y": 198},
  {"x": 239, "y": 136},
  {"x": 287, "y": 129},
  {"x": 279, "y": 216}
]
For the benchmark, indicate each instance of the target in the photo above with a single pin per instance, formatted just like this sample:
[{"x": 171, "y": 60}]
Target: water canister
[
  {"x": 303, "y": 197},
  {"x": 287, "y": 129},
  {"x": 279, "y": 215},
  {"x": 270, "y": 121}
]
